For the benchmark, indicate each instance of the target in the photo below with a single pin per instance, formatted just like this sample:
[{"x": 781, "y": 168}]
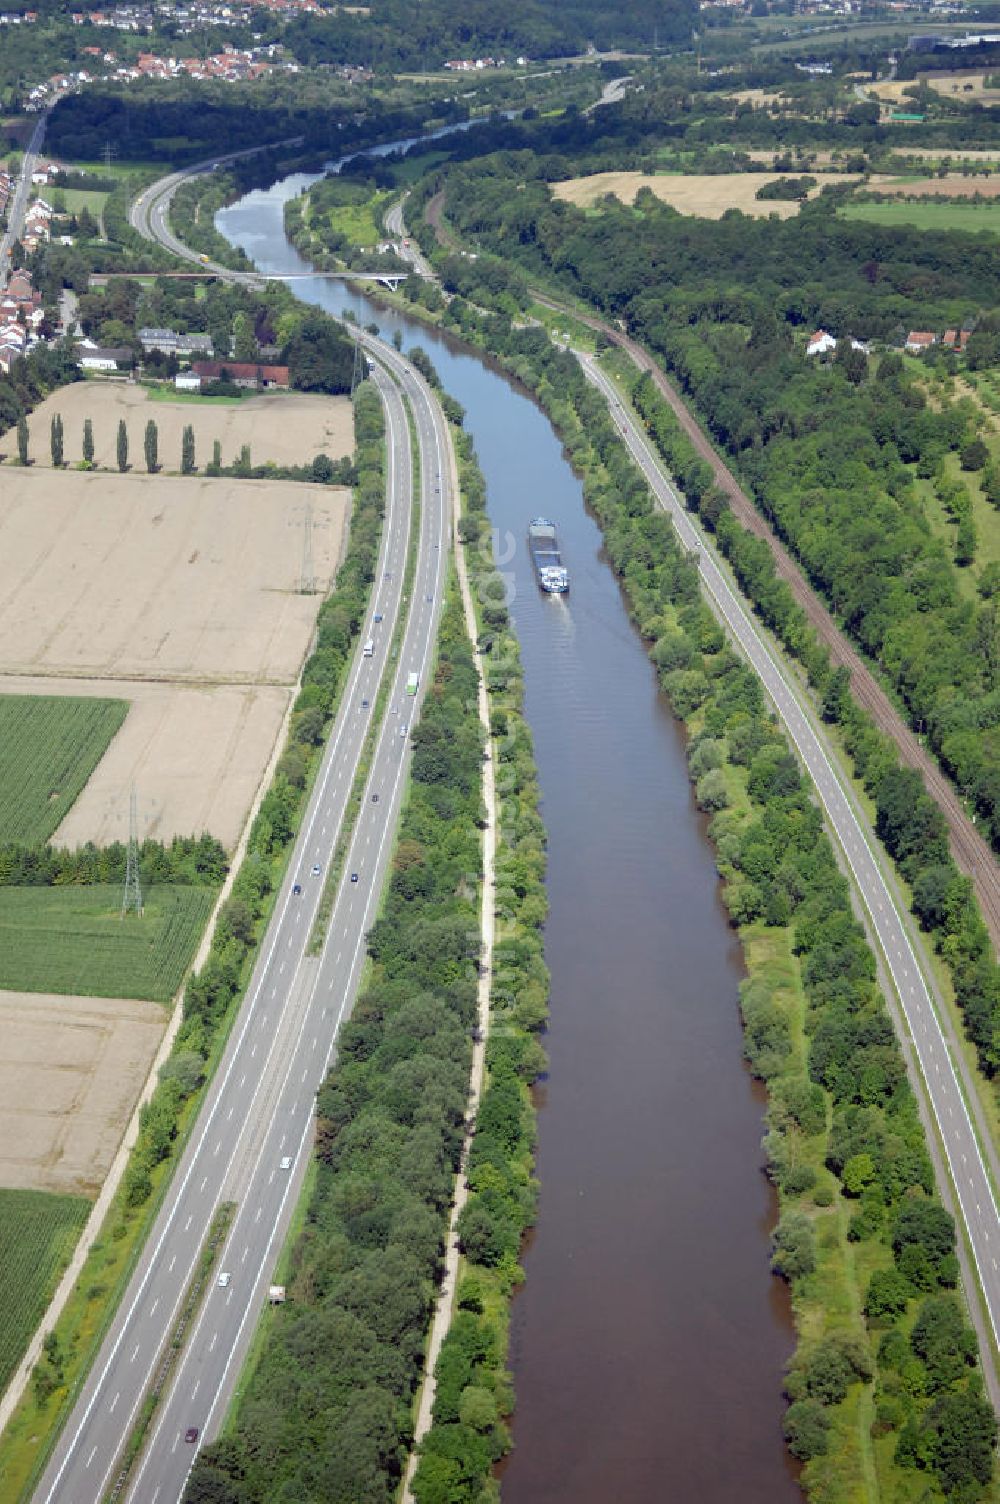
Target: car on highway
[
  {"x": 316, "y": 869},
  {"x": 354, "y": 877},
  {"x": 403, "y": 729},
  {"x": 364, "y": 704},
  {"x": 296, "y": 889},
  {"x": 374, "y": 798},
  {"x": 191, "y": 1434},
  {"x": 377, "y": 616},
  {"x": 286, "y": 1163},
  {"x": 224, "y": 1279}
]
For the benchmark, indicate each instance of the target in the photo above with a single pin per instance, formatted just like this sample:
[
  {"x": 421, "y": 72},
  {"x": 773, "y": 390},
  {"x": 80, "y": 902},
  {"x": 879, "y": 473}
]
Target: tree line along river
[{"x": 649, "y": 1340}]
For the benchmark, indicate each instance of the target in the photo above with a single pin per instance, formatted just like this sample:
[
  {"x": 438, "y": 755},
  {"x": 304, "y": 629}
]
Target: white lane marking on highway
[
  {"x": 257, "y": 1217},
  {"x": 135, "y": 1353},
  {"x": 195, "y": 1389},
  {"x": 170, "y": 1266},
  {"x": 281, "y": 968},
  {"x": 187, "y": 1224},
  {"x": 176, "y": 1440},
  {"x": 253, "y": 1052},
  {"x": 211, "y": 1345},
  {"x": 270, "y": 1177},
  {"x": 204, "y": 1183},
  {"x": 111, "y": 1407},
  {"x": 304, "y": 1075},
  {"x": 91, "y": 1457},
  {"x": 337, "y": 962},
  {"x": 153, "y": 1307},
  {"x": 315, "y": 1043},
  {"x": 230, "y": 1113},
  {"x": 243, "y": 1257},
  {"x": 217, "y": 1148}
]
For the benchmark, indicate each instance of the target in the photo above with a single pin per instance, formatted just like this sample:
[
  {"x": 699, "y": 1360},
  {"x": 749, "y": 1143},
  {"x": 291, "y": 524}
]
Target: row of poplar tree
[{"x": 151, "y": 445}]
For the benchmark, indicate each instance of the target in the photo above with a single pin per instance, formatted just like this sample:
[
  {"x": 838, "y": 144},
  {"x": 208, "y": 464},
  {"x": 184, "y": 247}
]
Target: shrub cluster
[{"x": 474, "y": 1391}]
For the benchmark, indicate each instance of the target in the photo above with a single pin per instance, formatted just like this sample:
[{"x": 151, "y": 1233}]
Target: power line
[{"x": 132, "y": 894}]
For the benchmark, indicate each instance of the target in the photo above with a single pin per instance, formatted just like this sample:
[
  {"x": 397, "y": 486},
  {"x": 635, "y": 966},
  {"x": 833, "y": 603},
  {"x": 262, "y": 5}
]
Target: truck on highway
[
  {"x": 411, "y": 684},
  {"x": 369, "y": 648}
]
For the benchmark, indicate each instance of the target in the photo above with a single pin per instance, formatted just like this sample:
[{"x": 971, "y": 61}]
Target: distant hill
[{"x": 405, "y": 35}]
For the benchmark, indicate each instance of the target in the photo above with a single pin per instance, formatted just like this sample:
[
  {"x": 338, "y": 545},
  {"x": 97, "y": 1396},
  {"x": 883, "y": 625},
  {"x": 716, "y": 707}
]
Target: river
[{"x": 649, "y": 1340}]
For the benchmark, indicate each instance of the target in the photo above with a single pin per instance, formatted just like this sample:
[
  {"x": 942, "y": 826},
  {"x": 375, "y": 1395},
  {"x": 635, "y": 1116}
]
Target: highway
[
  {"x": 258, "y": 1112},
  {"x": 857, "y": 842},
  {"x": 408, "y": 248},
  {"x": 18, "y": 206}
]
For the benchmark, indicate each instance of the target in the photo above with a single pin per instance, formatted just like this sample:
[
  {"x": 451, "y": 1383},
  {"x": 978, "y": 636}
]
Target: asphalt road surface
[
  {"x": 258, "y": 1112},
  {"x": 857, "y": 842},
  {"x": 19, "y": 202}
]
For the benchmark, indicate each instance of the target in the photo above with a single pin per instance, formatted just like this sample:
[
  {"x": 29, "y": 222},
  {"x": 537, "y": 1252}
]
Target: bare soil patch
[
  {"x": 161, "y": 578},
  {"x": 70, "y": 1074},
  {"x": 195, "y": 754},
  {"x": 289, "y": 428},
  {"x": 708, "y": 195}
]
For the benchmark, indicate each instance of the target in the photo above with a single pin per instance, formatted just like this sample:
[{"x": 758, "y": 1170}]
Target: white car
[
  {"x": 224, "y": 1279},
  {"x": 286, "y": 1163}
]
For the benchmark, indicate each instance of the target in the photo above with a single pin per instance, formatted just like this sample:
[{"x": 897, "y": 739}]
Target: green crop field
[
  {"x": 49, "y": 746},
  {"x": 37, "y": 1235},
  {"x": 952, "y": 216},
  {"x": 72, "y": 940}
]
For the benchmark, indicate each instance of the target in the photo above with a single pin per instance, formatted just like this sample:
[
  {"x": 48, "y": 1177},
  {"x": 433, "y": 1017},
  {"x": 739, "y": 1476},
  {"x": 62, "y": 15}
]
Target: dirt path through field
[{"x": 972, "y": 854}]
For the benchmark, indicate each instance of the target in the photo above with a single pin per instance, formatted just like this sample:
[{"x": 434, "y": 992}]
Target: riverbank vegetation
[
  {"x": 473, "y": 1388},
  {"x": 212, "y": 994}
]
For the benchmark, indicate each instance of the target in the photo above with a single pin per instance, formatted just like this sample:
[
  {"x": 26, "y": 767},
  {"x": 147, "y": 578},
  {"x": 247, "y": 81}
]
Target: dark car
[
  {"x": 354, "y": 877},
  {"x": 378, "y": 616},
  {"x": 296, "y": 888},
  {"x": 191, "y": 1434},
  {"x": 374, "y": 798}
]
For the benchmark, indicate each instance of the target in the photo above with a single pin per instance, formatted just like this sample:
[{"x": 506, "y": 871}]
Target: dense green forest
[
  {"x": 831, "y": 452},
  {"x": 396, "y": 35}
]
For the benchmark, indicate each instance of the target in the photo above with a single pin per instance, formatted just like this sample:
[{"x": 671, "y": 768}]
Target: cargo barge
[{"x": 551, "y": 573}]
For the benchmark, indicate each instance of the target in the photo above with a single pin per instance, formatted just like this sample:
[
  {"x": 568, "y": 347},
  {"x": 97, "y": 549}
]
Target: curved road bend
[
  {"x": 258, "y": 1111},
  {"x": 961, "y": 1146}
]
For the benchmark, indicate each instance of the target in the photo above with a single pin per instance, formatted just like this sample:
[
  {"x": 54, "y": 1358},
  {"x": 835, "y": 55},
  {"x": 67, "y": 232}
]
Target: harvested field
[
  {"x": 72, "y": 940},
  {"x": 38, "y": 1232},
  {"x": 967, "y": 85},
  {"x": 49, "y": 746},
  {"x": 70, "y": 1075},
  {"x": 196, "y": 756},
  {"x": 286, "y": 427},
  {"x": 706, "y": 195},
  {"x": 953, "y": 185},
  {"x": 149, "y": 577}
]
